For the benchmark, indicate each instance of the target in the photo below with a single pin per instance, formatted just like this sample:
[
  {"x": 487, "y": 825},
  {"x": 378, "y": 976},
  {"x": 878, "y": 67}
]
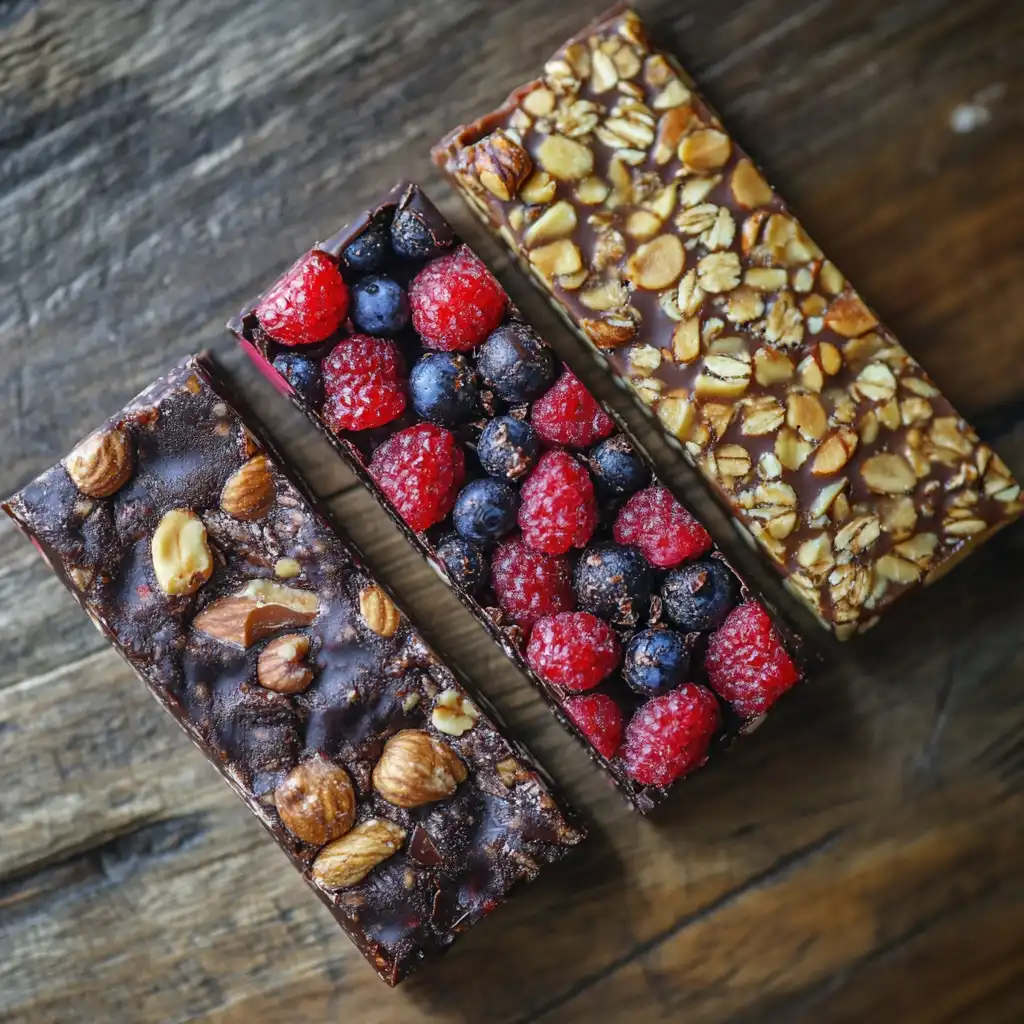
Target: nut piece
[
  {"x": 749, "y": 189},
  {"x": 316, "y": 801},
  {"x": 888, "y": 474},
  {"x": 539, "y": 188},
  {"x": 181, "y": 556},
  {"x": 249, "y": 492},
  {"x": 501, "y": 164},
  {"x": 848, "y": 316},
  {"x": 102, "y": 463},
  {"x": 705, "y": 150},
  {"x": 556, "y": 221},
  {"x": 416, "y": 769},
  {"x": 610, "y": 332},
  {"x": 379, "y": 611},
  {"x": 261, "y": 608},
  {"x": 834, "y": 452},
  {"x": 557, "y": 258},
  {"x": 351, "y": 858},
  {"x": 564, "y": 158},
  {"x": 657, "y": 264},
  {"x": 281, "y": 666},
  {"x": 454, "y": 714}
]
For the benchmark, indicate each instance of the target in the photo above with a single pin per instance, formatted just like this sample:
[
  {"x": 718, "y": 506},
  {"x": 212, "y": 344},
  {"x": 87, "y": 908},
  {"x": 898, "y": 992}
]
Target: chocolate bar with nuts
[
  {"x": 522, "y": 492},
  {"x": 397, "y": 795},
  {"x": 655, "y": 235}
]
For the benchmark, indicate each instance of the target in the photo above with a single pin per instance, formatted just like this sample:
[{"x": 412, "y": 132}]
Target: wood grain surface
[{"x": 861, "y": 858}]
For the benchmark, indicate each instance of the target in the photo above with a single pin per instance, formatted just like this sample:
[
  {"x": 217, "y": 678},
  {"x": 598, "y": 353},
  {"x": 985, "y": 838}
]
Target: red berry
[
  {"x": 558, "y": 509},
  {"x": 746, "y": 662},
  {"x": 362, "y": 384},
  {"x": 420, "y": 470},
  {"x": 569, "y": 414},
  {"x": 456, "y": 301},
  {"x": 308, "y": 304},
  {"x": 670, "y": 735},
  {"x": 529, "y": 584},
  {"x": 574, "y": 649},
  {"x": 661, "y": 528},
  {"x": 599, "y": 718}
]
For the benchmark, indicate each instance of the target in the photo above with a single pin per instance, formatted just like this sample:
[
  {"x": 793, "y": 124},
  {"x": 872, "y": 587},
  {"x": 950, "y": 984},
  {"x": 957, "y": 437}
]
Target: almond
[
  {"x": 250, "y": 491},
  {"x": 348, "y": 860},
  {"x": 415, "y": 769},
  {"x": 657, "y": 264},
  {"x": 749, "y": 189},
  {"x": 564, "y": 158},
  {"x": 282, "y": 667},
  {"x": 102, "y": 463},
  {"x": 848, "y": 316},
  {"x": 316, "y": 801},
  {"x": 705, "y": 150},
  {"x": 261, "y": 608}
]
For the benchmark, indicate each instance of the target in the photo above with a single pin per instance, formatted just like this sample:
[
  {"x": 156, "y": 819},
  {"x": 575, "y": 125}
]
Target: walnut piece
[{"x": 378, "y": 611}]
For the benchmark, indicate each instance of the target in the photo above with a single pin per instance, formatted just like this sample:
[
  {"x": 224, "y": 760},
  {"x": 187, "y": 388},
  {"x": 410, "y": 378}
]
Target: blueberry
[
  {"x": 465, "y": 563},
  {"x": 303, "y": 374},
  {"x": 485, "y": 510},
  {"x": 516, "y": 363},
  {"x": 697, "y": 597},
  {"x": 617, "y": 470},
  {"x": 443, "y": 388},
  {"x": 418, "y": 233},
  {"x": 657, "y": 660},
  {"x": 614, "y": 581},
  {"x": 508, "y": 448},
  {"x": 378, "y": 305},
  {"x": 369, "y": 251}
]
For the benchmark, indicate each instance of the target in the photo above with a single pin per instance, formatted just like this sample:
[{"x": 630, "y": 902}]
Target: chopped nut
[
  {"x": 564, "y": 158},
  {"x": 695, "y": 220},
  {"x": 810, "y": 374},
  {"x": 831, "y": 358},
  {"x": 676, "y": 415},
  {"x": 749, "y": 189},
  {"x": 592, "y": 191},
  {"x": 454, "y": 714},
  {"x": 642, "y": 224},
  {"x": 501, "y": 164},
  {"x": 766, "y": 279},
  {"x": 539, "y": 102},
  {"x": 834, "y": 452},
  {"x": 644, "y": 360},
  {"x": 705, "y": 150},
  {"x": 848, "y": 316},
  {"x": 259, "y": 609},
  {"x": 671, "y": 127},
  {"x": 790, "y": 449},
  {"x": 663, "y": 202},
  {"x": 805, "y": 414},
  {"x": 743, "y": 304},
  {"x": 919, "y": 550},
  {"x": 690, "y": 295},
  {"x": 762, "y": 416},
  {"x": 815, "y": 555},
  {"x": 416, "y": 769},
  {"x": 876, "y": 382},
  {"x": 961, "y": 522},
  {"x": 899, "y": 516},
  {"x": 772, "y": 367},
  {"x": 719, "y": 272},
  {"x": 625, "y": 133},
  {"x": 718, "y": 416},
  {"x": 539, "y": 188},
  {"x": 605, "y": 295},
  {"x": 896, "y": 570},
  {"x": 825, "y": 497},
  {"x": 946, "y": 432},
  {"x": 557, "y": 221},
  {"x": 287, "y": 568},
  {"x": 888, "y": 474},
  {"x": 657, "y": 264},
  {"x": 830, "y": 278},
  {"x": 250, "y": 491},
  {"x": 609, "y": 332},
  {"x": 686, "y": 340},
  {"x": 348, "y": 860},
  {"x": 776, "y": 505},
  {"x": 858, "y": 534},
  {"x": 733, "y": 460},
  {"x": 784, "y": 325},
  {"x": 378, "y": 611},
  {"x": 604, "y": 75},
  {"x": 557, "y": 258},
  {"x": 919, "y": 386},
  {"x": 915, "y": 410},
  {"x": 281, "y": 666},
  {"x": 181, "y": 555},
  {"x": 724, "y": 376},
  {"x": 316, "y": 801},
  {"x": 102, "y": 463},
  {"x": 696, "y": 190}
]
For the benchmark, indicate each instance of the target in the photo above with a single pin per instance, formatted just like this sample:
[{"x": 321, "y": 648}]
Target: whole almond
[
  {"x": 379, "y": 611},
  {"x": 262, "y": 607},
  {"x": 348, "y": 860},
  {"x": 415, "y": 768},
  {"x": 102, "y": 463},
  {"x": 250, "y": 491},
  {"x": 181, "y": 555},
  {"x": 316, "y": 801},
  {"x": 282, "y": 666}
]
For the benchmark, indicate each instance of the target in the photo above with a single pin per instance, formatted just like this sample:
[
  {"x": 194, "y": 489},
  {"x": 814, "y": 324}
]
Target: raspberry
[
  {"x": 599, "y": 718},
  {"x": 670, "y": 735},
  {"x": 456, "y": 302},
  {"x": 661, "y": 528},
  {"x": 746, "y": 662},
  {"x": 529, "y": 584},
  {"x": 574, "y": 649},
  {"x": 569, "y": 414},
  {"x": 308, "y": 304},
  {"x": 362, "y": 383},
  {"x": 420, "y": 470},
  {"x": 558, "y": 510}
]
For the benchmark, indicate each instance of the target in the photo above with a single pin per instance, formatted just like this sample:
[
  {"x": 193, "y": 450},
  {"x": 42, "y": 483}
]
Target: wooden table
[{"x": 860, "y": 859}]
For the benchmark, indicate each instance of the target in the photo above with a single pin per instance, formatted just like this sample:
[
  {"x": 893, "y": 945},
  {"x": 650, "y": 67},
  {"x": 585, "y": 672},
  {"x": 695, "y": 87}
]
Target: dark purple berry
[
  {"x": 508, "y": 448},
  {"x": 370, "y": 250},
  {"x": 614, "y": 582},
  {"x": 515, "y": 363},
  {"x": 378, "y": 305},
  {"x": 419, "y": 234},
  {"x": 657, "y": 660},
  {"x": 303, "y": 374},
  {"x": 465, "y": 563},
  {"x": 485, "y": 510},
  {"x": 697, "y": 597},
  {"x": 443, "y": 388},
  {"x": 617, "y": 470}
]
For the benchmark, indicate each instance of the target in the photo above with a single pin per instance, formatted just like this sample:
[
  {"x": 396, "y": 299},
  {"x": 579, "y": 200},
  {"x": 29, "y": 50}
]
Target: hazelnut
[
  {"x": 282, "y": 666},
  {"x": 316, "y": 801},
  {"x": 262, "y": 607},
  {"x": 181, "y": 556},
  {"x": 102, "y": 463},
  {"x": 501, "y": 164},
  {"x": 379, "y": 611},
  {"x": 249, "y": 492},
  {"x": 416, "y": 769},
  {"x": 348, "y": 860}
]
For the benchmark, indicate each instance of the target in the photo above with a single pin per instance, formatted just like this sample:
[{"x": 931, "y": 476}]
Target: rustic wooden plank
[{"x": 158, "y": 165}]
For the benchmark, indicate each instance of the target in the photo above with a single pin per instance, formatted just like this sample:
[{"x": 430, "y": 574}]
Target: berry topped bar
[
  {"x": 520, "y": 490},
  {"x": 398, "y": 797},
  {"x": 657, "y": 238}
]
